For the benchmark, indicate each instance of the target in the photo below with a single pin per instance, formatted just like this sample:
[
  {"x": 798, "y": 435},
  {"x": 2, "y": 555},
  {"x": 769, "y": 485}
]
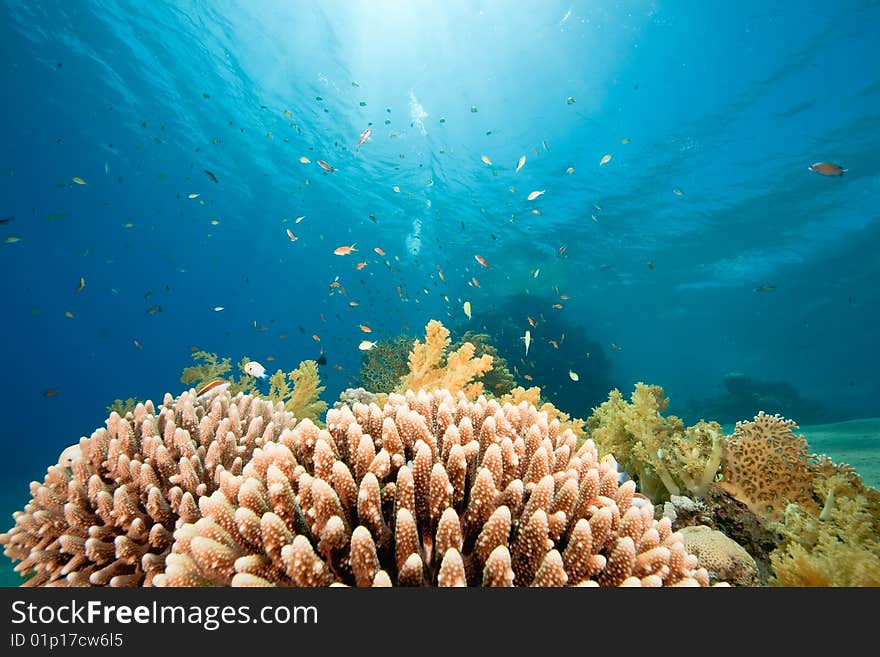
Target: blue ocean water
[{"x": 704, "y": 247}]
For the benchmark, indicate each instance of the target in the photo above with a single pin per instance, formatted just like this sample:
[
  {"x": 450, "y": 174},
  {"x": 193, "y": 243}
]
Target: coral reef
[
  {"x": 767, "y": 467},
  {"x": 659, "y": 452},
  {"x": 430, "y": 490},
  {"x": 105, "y": 515},
  {"x": 498, "y": 381},
  {"x": 431, "y": 367},
  {"x": 385, "y": 364},
  {"x": 299, "y": 390},
  {"x": 724, "y": 558}
]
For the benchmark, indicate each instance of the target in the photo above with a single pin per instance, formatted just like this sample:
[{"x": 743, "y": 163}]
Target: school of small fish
[{"x": 408, "y": 291}]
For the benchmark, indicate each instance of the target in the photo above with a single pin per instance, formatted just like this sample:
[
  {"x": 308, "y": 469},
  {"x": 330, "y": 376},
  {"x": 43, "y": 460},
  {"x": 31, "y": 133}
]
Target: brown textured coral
[
  {"x": 767, "y": 467},
  {"x": 383, "y": 366},
  {"x": 430, "y": 490},
  {"x": 432, "y": 368},
  {"x": 105, "y": 515}
]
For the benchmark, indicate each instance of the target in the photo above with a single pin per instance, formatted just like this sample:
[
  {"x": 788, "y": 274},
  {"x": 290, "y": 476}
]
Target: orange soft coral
[{"x": 431, "y": 368}]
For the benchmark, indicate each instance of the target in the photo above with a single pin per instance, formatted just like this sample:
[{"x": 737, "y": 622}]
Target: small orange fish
[
  {"x": 399, "y": 292},
  {"x": 51, "y": 392},
  {"x": 527, "y": 377},
  {"x": 557, "y": 305},
  {"x": 532, "y": 322},
  {"x": 270, "y": 358},
  {"x": 293, "y": 238},
  {"x": 361, "y": 265},
  {"x": 475, "y": 281},
  {"x": 481, "y": 260},
  {"x": 344, "y": 250},
  {"x": 563, "y": 296},
  {"x": 325, "y": 166},
  {"x": 827, "y": 169},
  {"x": 337, "y": 367},
  {"x": 334, "y": 284},
  {"x": 554, "y": 343},
  {"x": 365, "y": 328},
  {"x": 379, "y": 251},
  {"x": 560, "y": 251},
  {"x": 316, "y": 338},
  {"x": 440, "y": 274}
]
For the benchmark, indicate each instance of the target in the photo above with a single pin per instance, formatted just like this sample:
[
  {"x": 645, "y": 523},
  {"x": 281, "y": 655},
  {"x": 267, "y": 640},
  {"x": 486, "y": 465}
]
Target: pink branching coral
[
  {"x": 106, "y": 514},
  {"x": 431, "y": 490}
]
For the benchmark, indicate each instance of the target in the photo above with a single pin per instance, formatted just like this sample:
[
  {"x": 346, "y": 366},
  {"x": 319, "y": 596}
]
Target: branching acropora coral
[
  {"x": 430, "y": 490},
  {"x": 106, "y": 515},
  {"x": 664, "y": 456},
  {"x": 432, "y": 368},
  {"x": 533, "y": 396}
]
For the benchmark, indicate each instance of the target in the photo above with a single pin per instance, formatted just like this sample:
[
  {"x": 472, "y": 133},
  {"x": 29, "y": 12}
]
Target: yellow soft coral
[
  {"x": 431, "y": 368},
  {"x": 300, "y": 391},
  {"x": 838, "y": 545},
  {"x": 208, "y": 369},
  {"x": 843, "y": 549},
  {"x": 659, "y": 452}
]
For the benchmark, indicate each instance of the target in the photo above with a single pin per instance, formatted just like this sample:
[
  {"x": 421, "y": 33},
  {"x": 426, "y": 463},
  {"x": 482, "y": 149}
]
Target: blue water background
[{"x": 727, "y": 102}]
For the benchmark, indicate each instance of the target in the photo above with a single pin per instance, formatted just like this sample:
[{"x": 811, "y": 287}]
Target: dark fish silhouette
[
  {"x": 152, "y": 310},
  {"x": 211, "y": 176},
  {"x": 766, "y": 287},
  {"x": 6, "y": 220},
  {"x": 322, "y": 360}
]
